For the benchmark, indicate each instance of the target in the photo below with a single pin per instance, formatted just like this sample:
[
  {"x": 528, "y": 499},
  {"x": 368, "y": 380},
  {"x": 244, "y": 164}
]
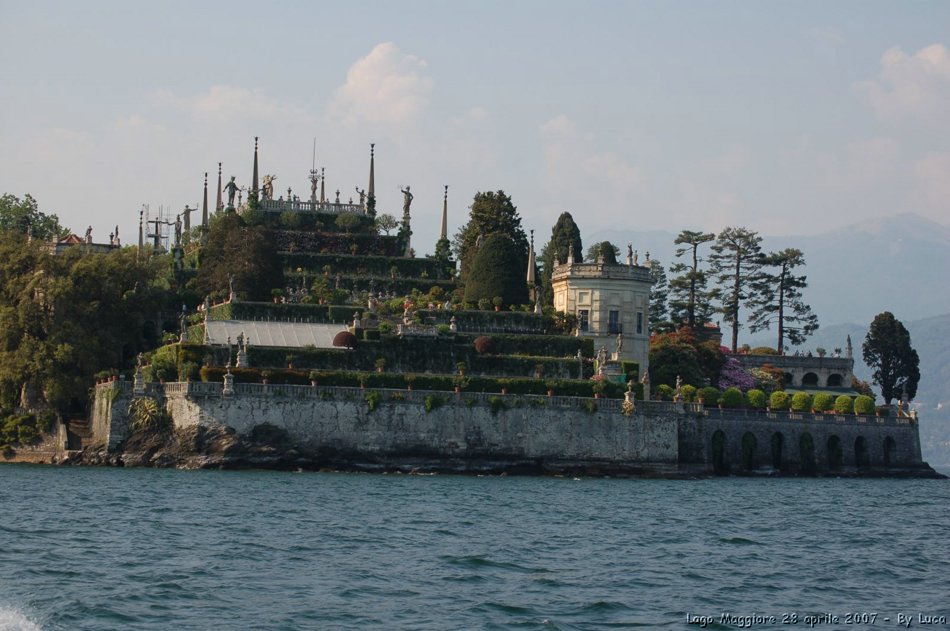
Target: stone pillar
[{"x": 228, "y": 388}]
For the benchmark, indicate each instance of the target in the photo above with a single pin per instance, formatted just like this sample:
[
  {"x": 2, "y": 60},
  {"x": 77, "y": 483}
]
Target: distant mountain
[{"x": 896, "y": 264}]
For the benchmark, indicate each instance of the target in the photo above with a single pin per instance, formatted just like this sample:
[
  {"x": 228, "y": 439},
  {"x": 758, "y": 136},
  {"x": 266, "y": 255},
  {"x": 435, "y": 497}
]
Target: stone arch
[
  {"x": 806, "y": 454},
  {"x": 789, "y": 379},
  {"x": 778, "y": 449},
  {"x": 890, "y": 446},
  {"x": 809, "y": 379},
  {"x": 835, "y": 452},
  {"x": 719, "y": 462},
  {"x": 748, "y": 451},
  {"x": 835, "y": 380},
  {"x": 860, "y": 451}
]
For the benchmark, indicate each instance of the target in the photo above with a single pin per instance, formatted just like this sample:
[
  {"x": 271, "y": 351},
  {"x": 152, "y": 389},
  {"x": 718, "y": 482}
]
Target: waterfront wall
[{"x": 468, "y": 430}]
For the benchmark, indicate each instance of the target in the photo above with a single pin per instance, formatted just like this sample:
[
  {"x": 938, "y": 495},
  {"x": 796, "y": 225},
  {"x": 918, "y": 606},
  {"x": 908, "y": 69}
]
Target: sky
[{"x": 783, "y": 117}]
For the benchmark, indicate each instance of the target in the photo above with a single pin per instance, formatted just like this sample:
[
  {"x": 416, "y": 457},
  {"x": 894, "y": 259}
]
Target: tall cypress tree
[
  {"x": 735, "y": 263},
  {"x": 777, "y": 298},
  {"x": 659, "y": 294},
  {"x": 564, "y": 234}
]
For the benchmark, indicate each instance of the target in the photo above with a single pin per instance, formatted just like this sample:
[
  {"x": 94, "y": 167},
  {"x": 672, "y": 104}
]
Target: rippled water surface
[{"x": 88, "y": 548}]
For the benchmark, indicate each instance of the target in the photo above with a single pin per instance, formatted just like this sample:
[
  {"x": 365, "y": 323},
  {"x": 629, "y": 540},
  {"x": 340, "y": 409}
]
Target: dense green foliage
[
  {"x": 498, "y": 270},
  {"x": 659, "y": 296},
  {"x": 490, "y": 213},
  {"x": 65, "y": 318},
  {"x": 679, "y": 354},
  {"x": 895, "y": 364},
  {"x": 709, "y": 395},
  {"x": 23, "y": 216},
  {"x": 248, "y": 253}
]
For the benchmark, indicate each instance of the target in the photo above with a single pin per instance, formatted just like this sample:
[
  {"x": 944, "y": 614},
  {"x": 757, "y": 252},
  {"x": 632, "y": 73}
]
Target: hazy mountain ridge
[{"x": 892, "y": 264}]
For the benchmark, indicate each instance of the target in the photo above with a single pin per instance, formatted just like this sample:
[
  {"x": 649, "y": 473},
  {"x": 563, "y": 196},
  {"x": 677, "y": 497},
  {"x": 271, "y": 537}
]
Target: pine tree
[
  {"x": 888, "y": 352},
  {"x": 734, "y": 263},
  {"x": 688, "y": 300},
  {"x": 564, "y": 234},
  {"x": 777, "y": 298},
  {"x": 491, "y": 212}
]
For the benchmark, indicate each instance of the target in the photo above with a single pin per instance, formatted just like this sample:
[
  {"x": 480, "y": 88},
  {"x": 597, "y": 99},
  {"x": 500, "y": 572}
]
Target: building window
[
  {"x": 583, "y": 320},
  {"x": 613, "y": 322},
  {"x": 639, "y": 322}
]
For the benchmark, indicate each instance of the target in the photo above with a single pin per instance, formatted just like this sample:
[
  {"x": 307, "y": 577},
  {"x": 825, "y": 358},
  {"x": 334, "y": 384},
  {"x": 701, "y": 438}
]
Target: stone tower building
[{"x": 608, "y": 300}]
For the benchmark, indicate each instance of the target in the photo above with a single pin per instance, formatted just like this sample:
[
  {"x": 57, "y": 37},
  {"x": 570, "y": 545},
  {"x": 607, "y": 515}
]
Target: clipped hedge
[
  {"x": 731, "y": 398},
  {"x": 755, "y": 399},
  {"x": 429, "y": 268},
  {"x": 547, "y": 345},
  {"x": 823, "y": 402},
  {"x": 709, "y": 395},
  {"x": 664, "y": 392},
  {"x": 863, "y": 404},
  {"x": 354, "y": 379},
  {"x": 689, "y": 393},
  {"x": 504, "y": 321},
  {"x": 779, "y": 400},
  {"x": 801, "y": 402},
  {"x": 844, "y": 405}
]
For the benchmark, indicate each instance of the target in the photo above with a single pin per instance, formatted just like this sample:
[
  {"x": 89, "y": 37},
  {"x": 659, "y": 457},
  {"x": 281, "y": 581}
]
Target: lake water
[{"x": 100, "y": 549}]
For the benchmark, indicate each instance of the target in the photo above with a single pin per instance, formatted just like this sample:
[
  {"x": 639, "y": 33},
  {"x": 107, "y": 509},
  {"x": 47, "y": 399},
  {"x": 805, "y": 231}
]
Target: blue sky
[{"x": 787, "y": 118}]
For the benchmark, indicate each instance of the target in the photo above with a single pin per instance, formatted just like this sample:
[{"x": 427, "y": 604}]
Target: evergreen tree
[
  {"x": 777, "y": 297},
  {"x": 564, "y": 234},
  {"x": 888, "y": 352},
  {"x": 689, "y": 302},
  {"x": 659, "y": 294},
  {"x": 604, "y": 249},
  {"x": 490, "y": 213},
  {"x": 735, "y": 264},
  {"x": 497, "y": 270}
]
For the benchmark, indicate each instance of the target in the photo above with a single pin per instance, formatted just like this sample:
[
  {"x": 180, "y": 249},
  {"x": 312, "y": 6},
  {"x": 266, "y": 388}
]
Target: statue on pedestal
[
  {"x": 231, "y": 188},
  {"x": 407, "y": 198}
]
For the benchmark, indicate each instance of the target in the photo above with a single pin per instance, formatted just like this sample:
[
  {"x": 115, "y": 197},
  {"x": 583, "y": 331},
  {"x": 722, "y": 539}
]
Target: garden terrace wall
[
  {"x": 374, "y": 265},
  {"x": 547, "y": 345},
  {"x": 469, "y": 320},
  {"x": 289, "y": 241}
]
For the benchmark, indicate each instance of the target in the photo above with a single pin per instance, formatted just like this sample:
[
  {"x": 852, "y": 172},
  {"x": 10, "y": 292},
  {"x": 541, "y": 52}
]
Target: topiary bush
[
  {"x": 823, "y": 401},
  {"x": 689, "y": 393},
  {"x": 731, "y": 398},
  {"x": 844, "y": 405},
  {"x": 484, "y": 345},
  {"x": 755, "y": 399},
  {"x": 801, "y": 401},
  {"x": 344, "y": 339},
  {"x": 779, "y": 400},
  {"x": 863, "y": 404},
  {"x": 664, "y": 392},
  {"x": 708, "y": 395}
]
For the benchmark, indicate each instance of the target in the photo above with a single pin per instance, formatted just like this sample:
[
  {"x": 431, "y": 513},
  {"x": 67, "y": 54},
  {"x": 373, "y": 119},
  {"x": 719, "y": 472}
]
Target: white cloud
[
  {"x": 570, "y": 157},
  {"x": 387, "y": 86},
  {"x": 225, "y": 104},
  {"x": 911, "y": 86},
  {"x": 865, "y": 164}
]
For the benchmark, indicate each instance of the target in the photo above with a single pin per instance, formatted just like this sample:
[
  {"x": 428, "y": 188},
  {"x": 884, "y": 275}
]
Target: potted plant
[
  {"x": 461, "y": 368},
  {"x": 313, "y": 377},
  {"x": 550, "y": 383},
  {"x": 380, "y": 364},
  {"x": 266, "y": 375},
  {"x": 409, "y": 379},
  {"x": 498, "y": 302},
  {"x": 503, "y": 384},
  {"x": 598, "y": 389}
]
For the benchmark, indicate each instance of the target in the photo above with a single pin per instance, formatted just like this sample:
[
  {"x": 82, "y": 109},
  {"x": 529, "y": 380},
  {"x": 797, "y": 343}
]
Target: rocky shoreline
[{"x": 203, "y": 447}]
